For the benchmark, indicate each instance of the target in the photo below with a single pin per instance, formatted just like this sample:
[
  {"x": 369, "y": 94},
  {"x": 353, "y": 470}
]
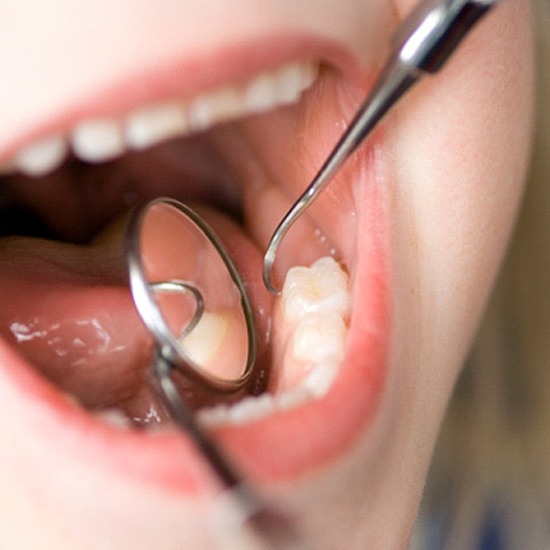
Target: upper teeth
[{"x": 99, "y": 140}]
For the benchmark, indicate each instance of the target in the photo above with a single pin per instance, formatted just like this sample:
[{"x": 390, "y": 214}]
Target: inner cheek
[{"x": 287, "y": 166}]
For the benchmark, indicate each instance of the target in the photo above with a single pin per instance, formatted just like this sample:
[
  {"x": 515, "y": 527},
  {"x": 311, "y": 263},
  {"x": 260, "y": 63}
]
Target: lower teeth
[
  {"x": 311, "y": 317},
  {"x": 114, "y": 417},
  {"x": 313, "y": 314}
]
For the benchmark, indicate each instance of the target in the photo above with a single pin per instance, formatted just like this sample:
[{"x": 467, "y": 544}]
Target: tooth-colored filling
[{"x": 103, "y": 139}]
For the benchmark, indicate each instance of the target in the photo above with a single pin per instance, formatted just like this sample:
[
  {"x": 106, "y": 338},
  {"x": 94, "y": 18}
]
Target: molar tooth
[
  {"x": 98, "y": 140},
  {"x": 318, "y": 339},
  {"x": 214, "y": 416},
  {"x": 154, "y": 124},
  {"x": 320, "y": 378},
  {"x": 314, "y": 305},
  {"x": 321, "y": 288},
  {"x": 203, "y": 343},
  {"x": 292, "y": 398},
  {"x": 292, "y": 80},
  {"x": 114, "y": 417},
  {"x": 251, "y": 408},
  {"x": 214, "y": 107},
  {"x": 42, "y": 156}
]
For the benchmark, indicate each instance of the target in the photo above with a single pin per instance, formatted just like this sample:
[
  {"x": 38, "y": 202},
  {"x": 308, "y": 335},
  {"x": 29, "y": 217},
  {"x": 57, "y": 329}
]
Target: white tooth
[
  {"x": 321, "y": 288},
  {"x": 254, "y": 408},
  {"x": 214, "y": 416},
  {"x": 292, "y": 80},
  {"x": 320, "y": 378},
  {"x": 98, "y": 140},
  {"x": 214, "y": 107},
  {"x": 293, "y": 398},
  {"x": 318, "y": 330},
  {"x": 284, "y": 86},
  {"x": 105, "y": 139},
  {"x": 315, "y": 304},
  {"x": 154, "y": 124},
  {"x": 251, "y": 408},
  {"x": 318, "y": 333},
  {"x": 263, "y": 92},
  {"x": 41, "y": 157},
  {"x": 246, "y": 410},
  {"x": 203, "y": 343},
  {"x": 114, "y": 417},
  {"x": 319, "y": 338},
  {"x": 260, "y": 95}
]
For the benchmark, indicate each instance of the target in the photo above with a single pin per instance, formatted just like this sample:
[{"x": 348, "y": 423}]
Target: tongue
[
  {"x": 68, "y": 309},
  {"x": 64, "y": 311}
]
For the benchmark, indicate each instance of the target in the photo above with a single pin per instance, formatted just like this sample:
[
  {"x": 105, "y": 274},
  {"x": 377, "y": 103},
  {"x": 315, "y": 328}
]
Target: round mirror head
[{"x": 190, "y": 295}]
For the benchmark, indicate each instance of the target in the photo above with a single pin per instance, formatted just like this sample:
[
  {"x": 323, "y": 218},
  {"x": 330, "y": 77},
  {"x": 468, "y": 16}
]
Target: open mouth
[{"x": 75, "y": 356}]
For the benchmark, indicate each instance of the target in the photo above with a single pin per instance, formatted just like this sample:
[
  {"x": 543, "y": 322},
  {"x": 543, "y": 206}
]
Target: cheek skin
[{"x": 462, "y": 143}]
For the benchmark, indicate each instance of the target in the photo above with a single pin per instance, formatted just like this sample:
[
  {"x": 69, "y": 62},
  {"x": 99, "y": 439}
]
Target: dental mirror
[
  {"x": 190, "y": 296},
  {"x": 193, "y": 301}
]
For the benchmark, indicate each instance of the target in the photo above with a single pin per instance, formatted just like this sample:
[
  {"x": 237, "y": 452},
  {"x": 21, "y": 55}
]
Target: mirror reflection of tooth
[
  {"x": 216, "y": 344},
  {"x": 180, "y": 273},
  {"x": 206, "y": 339}
]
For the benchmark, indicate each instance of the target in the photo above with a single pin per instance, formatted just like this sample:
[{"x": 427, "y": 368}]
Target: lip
[{"x": 260, "y": 449}]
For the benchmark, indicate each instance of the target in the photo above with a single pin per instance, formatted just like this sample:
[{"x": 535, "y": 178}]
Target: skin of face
[{"x": 450, "y": 164}]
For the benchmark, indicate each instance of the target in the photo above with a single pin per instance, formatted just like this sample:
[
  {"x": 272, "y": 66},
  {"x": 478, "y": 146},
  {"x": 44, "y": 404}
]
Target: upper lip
[
  {"x": 184, "y": 76},
  {"x": 167, "y": 77}
]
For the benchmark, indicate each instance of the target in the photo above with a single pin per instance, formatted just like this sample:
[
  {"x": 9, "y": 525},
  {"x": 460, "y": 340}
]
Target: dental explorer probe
[{"x": 422, "y": 44}]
